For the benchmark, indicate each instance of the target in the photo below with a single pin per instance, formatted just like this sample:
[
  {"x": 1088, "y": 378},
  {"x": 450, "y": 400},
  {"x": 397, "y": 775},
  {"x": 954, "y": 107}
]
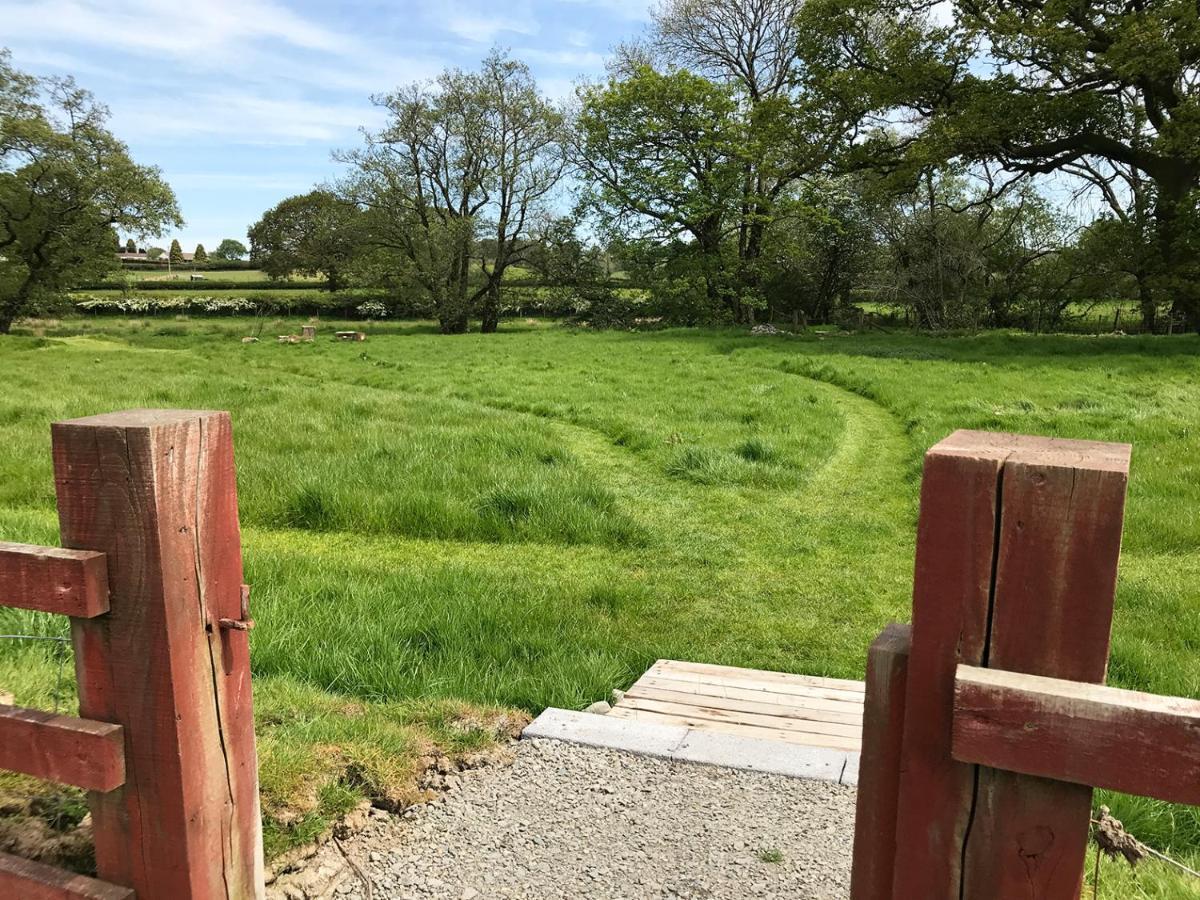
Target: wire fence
[{"x": 62, "y": 651}]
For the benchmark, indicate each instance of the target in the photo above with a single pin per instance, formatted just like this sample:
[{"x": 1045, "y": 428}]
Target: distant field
[
  {"x": 183, "y": 274},
  {"x": 513, "y": 273},
  {"x": 531, "y": 518}
]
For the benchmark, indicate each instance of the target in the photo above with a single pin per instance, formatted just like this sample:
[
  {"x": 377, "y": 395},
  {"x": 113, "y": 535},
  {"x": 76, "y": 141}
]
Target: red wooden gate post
[
  {"x": 154, "y": 490},
  {"x": 1016, "y": 565}
]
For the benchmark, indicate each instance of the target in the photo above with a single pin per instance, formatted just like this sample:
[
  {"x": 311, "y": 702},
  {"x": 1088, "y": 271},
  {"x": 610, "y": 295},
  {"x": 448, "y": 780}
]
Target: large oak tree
[
  {"x": 65, "y": 184},
  {"x": 1107, "y": 91}
]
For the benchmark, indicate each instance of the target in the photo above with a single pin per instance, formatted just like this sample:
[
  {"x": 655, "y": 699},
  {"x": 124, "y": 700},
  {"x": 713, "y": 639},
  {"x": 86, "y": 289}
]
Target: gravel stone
[{"x": 567, "y": 821}]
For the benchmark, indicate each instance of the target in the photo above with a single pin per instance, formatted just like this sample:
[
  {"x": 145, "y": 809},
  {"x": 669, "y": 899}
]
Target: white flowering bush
[
  {"x": 372, "y": 309},
  {"x": 230, "y": 306}
]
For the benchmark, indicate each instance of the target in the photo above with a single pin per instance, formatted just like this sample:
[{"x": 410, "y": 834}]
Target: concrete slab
[
  {"x": 755, "y": 754},
  {"x": 683, "y": 744},
  {"x": 651, "y": 739}
]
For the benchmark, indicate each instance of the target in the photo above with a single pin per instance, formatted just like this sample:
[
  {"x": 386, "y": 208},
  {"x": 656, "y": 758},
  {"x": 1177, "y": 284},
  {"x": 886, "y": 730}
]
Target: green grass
[{"x": 531, "y": 518}]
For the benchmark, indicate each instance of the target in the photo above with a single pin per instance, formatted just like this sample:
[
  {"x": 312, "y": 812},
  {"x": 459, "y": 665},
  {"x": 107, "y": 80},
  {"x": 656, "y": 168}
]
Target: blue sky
[{"x": 240, "y": 102}]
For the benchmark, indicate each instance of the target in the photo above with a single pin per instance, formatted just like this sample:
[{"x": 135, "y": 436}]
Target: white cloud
[
  {"x": 635, "y": 10},
  {"x": 246, "y": 119},
  {"x": 578, "y": 59},
  {"x": 482, "y": 23}
]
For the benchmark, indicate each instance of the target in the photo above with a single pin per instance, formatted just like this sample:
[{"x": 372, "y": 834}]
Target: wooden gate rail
[
  {"x": 987, "y": 726},
  {"x": 1086, "y": 733},
  {"x": 152, "y": 580}
]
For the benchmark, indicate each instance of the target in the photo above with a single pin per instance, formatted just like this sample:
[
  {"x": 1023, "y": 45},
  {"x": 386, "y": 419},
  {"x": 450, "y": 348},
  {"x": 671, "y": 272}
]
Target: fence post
[
  {"x": 1017, "y": 551},
  {"x": 155, "y": 491},
  {"x": 875, "y": 819}
]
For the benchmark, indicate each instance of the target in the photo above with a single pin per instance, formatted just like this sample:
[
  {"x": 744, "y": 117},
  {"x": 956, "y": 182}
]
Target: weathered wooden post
[
  {"x": 154, "y": 490},
  {"x": 875, "y": 819},
  {"x": 1016, "y": 566}
]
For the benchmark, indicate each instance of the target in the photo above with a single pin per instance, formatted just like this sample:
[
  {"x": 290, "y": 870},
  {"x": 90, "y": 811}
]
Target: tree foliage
[
  {"x": 201, "y": 255},
  {"x": 1096, "y": 90},
  {"x": 313, "y": 234},
  {"x": 65, "y": 183},
  {"x": 473, "y": 154},
  {"x": 230, "y": 250}
]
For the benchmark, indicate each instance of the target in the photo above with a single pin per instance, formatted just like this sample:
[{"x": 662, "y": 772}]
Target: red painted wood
[
  {"x": 155, "y": 490},
  {"x": 879, "y": 765},
  {"x": 23, "y": 879},
  {"x": 1060, "y": 537},
  {"x": 50, "y": 579},
  {"x": 1088, "y": 734},
  {"x": 79, "y": 752},
  {"x": 951, "y": 588}
]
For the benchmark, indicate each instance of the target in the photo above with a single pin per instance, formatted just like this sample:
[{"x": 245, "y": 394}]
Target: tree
[
  {"x": 471, "y": 156},
  {"x": 130, "y": 246},
  {"x": 664, "y": 155},
  {"x": 523, "y": 134},
  {"x": 200, "y": 256},
  {"x": 1075, "y": 88},
  {"x": 314, "y": 234},
  {"x": 65, "y": 183},
  {"x": 752, "y": 47},
  {"x": 230, "y": 250},
  {"x": 176, "y": 253}
]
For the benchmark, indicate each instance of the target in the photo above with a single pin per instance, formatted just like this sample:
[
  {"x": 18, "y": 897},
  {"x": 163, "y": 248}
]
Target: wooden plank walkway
[{"x": 799, "y": 709}]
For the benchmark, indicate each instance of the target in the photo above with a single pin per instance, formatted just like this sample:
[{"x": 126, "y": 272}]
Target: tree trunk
[
  {"x": 1177, "y": 284},
  {"x": 489, "y": 312},
  {"x": 1148, "y": 303}
]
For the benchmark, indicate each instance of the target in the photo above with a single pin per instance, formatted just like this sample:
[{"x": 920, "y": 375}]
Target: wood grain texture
[
  {"x": 53, "y": 580},
  {"x": 724, "y": 726},
  {"x": 1084, "y": 733},
  {"x": 762, "y": 678},
  {"x": 875, "y": 819},
  {"x": 154, "y": 489},
  {"x": 78, "y": 752},
  {"x": 23, "y": 879},
  {"x": 1059, "y": 541},
  {"x": 960, "y": 493}
]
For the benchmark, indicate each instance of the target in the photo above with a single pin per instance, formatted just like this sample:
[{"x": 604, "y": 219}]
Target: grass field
[{"x": 531, "y": 518}]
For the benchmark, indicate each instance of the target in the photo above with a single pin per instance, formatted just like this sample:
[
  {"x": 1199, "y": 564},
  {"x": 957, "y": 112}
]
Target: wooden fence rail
[
  {"x": 977, "y": 773},
  {"x": 151, "y": 576}
]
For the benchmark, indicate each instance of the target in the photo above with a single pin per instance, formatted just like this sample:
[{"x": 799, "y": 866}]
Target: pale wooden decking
[{"x": 799, "y": 709}]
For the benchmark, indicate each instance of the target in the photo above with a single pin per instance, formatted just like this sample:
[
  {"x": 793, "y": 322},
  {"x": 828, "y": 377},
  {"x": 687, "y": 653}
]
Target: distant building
[{"x": 142, "y": 257}]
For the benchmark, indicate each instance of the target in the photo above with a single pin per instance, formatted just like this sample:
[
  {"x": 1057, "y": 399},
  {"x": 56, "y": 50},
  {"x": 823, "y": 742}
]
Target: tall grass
[{"x": 531, "y": 518}]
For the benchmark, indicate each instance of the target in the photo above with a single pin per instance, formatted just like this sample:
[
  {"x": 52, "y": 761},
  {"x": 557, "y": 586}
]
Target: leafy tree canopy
[{"x": 65, "y": 183}]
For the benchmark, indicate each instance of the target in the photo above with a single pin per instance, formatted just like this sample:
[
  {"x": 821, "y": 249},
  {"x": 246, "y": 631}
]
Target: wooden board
[
  {"x": 78, "y": 752},
  {"x": 798, "y": 709},
  {"x": 53, "y": 580},
  {"x": 820, "y": 710},
  {"x": 23, "y": 879},
  {"x": 1089, "y": 734},
  {"x": 796, "y": 695},
  {"x": 876, "y": 816},
  {"x": 700, "y": 723},
  {"x": 781, "y": 681},
  {"x": 155, "y": 490}
]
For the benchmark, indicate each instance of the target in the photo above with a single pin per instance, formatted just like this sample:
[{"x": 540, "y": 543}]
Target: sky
[{"x": 241, "y": 102}]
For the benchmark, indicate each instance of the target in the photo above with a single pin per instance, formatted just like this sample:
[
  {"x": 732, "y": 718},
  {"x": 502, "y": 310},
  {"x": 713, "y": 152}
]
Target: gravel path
[{"x": 571, "y": 821}]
